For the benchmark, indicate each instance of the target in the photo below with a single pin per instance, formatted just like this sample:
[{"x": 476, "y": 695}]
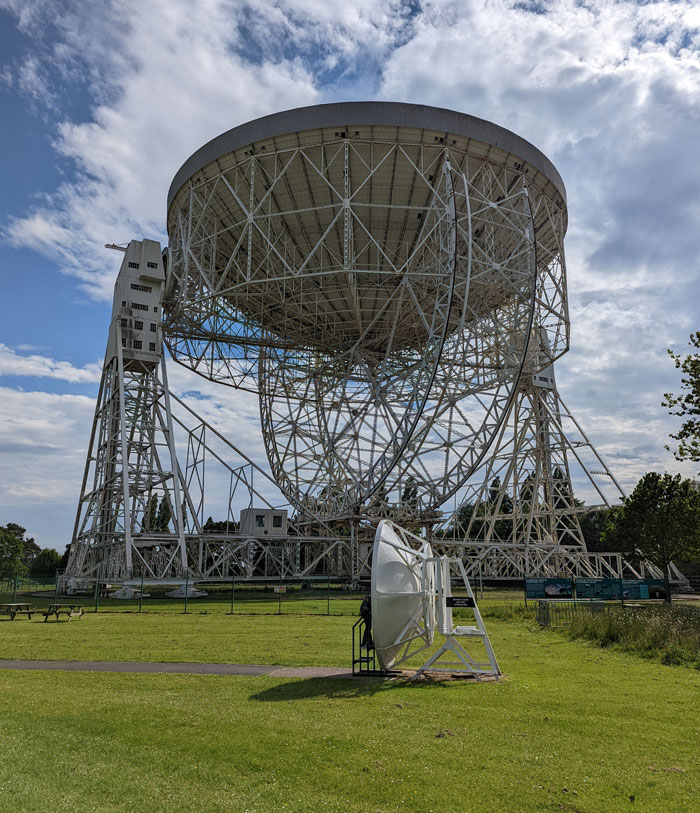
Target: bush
[
  {"x": 502, "y": 611},
  {"x": 670, "y": 634}
]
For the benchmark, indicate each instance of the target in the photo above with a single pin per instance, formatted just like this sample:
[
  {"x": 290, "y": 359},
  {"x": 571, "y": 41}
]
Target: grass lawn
[{"x": 571, "y": 727}]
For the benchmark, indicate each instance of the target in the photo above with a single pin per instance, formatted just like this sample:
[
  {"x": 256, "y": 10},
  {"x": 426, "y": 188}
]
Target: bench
[
  {"x": 71, "y": 610},
  {"x": 12, "y": 610}
]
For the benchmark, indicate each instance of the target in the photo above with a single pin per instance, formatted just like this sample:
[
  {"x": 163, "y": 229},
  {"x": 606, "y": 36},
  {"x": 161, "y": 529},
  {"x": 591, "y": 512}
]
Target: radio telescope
[
  {"x": 412, "y": 600},
  {"x": 373, "y": 272},
  {"x": 383, "y": 277}
]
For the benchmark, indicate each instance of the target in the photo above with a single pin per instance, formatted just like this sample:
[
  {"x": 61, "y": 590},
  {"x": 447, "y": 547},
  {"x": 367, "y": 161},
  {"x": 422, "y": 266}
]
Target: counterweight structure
[{"x": 131, "y": 469}]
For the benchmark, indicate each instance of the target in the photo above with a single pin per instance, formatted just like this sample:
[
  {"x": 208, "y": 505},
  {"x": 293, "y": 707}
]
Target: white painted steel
[
  {"x": 410, "y": 592},
  {"x": 374, "y": 277}
]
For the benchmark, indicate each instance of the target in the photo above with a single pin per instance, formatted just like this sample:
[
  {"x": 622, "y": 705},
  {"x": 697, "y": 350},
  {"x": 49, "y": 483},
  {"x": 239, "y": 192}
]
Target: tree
[
  {"x": 410, "y": 492},
  {"x": 223, "y": 527},
  {"x": 593, "y": 524},
  {"x": 163, "y": 517},
  {"x": 660, "y": 520},
  {"x": 63, "y": 564},
  {"x": 11, "y": 550},
  {"x": 148, "y": 522},
  {"x": 29, "y": 547},
  {"x": 46, "y": 563},
  {"x": 688, "y": 404}
]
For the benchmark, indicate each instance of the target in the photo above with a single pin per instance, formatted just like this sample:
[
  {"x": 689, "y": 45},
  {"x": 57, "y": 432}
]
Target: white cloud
[
  {"x": 32, "y": 82},
  {"x": 43, "y": 440},
  {"x": 15, "y": 364},
  {"x": 164, "y": 95},
  {"x": 611, "y": 93}
]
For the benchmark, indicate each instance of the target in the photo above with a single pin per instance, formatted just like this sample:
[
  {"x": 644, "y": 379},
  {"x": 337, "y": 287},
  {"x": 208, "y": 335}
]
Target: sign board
[
  {"x": 460, "y": 601},
  {"x": 280, "y": 588},
  {"x": 549, "y": 588}
]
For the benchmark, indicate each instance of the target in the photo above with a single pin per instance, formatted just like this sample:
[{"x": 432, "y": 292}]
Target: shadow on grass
[{"x": 340, "y": 688}]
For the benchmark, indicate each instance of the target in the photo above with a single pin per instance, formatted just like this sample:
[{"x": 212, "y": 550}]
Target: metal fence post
[
  {"x": 14, "y": 592},
  {"x": 233, "y": 590},
  {"x": 328, "y": 592},
  {"x": 97, "y": 591},
  {"x": 55, "y": 592},
  {"x": 141, "y": 595},
  {"x": 187, "y": 589}
]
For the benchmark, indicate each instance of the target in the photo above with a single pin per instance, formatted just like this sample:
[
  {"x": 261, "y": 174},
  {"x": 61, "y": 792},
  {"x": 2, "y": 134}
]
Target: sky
[{"x": 101, "y": 101}]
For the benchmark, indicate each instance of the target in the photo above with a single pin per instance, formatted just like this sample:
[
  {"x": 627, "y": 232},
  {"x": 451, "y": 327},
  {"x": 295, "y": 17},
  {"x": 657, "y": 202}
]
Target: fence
[
  {"x": 224, "y": 597},
  {"x": 562, "y": 613},
  {"x": 229, "y": 597}
]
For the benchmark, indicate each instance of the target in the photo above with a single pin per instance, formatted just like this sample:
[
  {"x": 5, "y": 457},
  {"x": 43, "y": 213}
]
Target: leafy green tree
[
  {"x": 593, "y": 524},
  {"x": 29, "y": 547},
  {"x": 211, "y": 527},
  {"x": 30, "y": 550},
  {"x": 11, "y": 550},
  {"x": 459, "y": 524},
  {"x": 46, "y": 563},
  {"x": 149, "y": 520},
  {"x": 659, "y": 521},
  {"x": 410, "y": 492},
  {"x": 687, "y": 405},
  {"x": 162, "y": 522}
]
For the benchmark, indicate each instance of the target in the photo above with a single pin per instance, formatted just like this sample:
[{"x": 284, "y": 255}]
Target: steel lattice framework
[
  {"x": 389, "y": 280},
  {"x": 376, "y": 284}
]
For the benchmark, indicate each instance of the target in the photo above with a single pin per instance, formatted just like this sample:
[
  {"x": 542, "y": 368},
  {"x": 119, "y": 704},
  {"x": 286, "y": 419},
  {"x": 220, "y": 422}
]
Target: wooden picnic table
[
  {"x": 16, "y": 608},
  {"x": 71, "y": 610}
]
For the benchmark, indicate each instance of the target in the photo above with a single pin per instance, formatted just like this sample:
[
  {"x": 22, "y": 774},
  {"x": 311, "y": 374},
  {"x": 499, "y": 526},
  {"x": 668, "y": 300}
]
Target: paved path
[{"x": 179, "y": 668}]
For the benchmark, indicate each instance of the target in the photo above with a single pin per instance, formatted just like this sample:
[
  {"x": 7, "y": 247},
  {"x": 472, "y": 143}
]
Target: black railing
[
  {"x": 562, "y": 613},
  {"x": 363, "y": 655}
]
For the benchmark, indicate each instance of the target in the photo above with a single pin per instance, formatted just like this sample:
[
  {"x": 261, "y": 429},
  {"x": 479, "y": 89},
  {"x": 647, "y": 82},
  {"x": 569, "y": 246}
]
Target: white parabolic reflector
[{"x": 401, "y": 597}]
